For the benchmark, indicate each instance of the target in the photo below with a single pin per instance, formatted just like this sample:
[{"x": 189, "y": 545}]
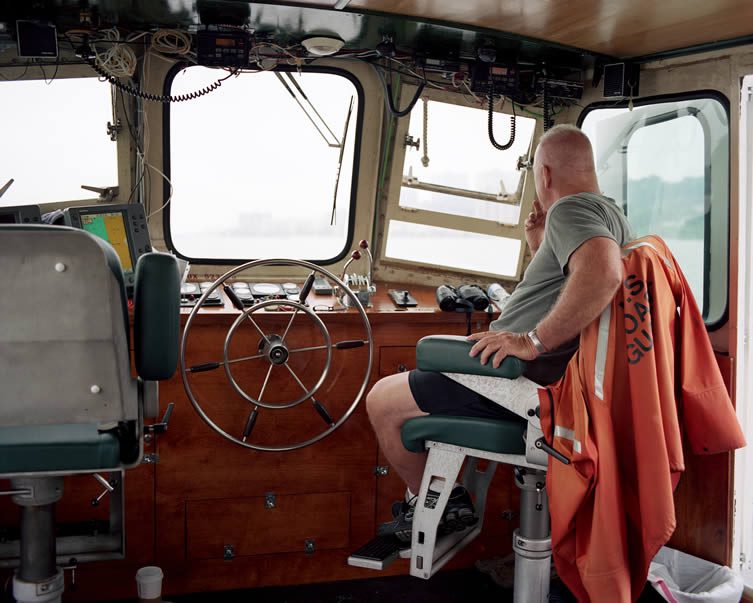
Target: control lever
[
  {"x": 109, "y": 488},
  {"x": 542, "y": 445},
  {"x": 161, "y": 427}
]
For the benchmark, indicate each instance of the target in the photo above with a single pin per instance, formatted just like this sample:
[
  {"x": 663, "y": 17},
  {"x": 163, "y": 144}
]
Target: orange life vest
[{"x": 644, "y": 374}]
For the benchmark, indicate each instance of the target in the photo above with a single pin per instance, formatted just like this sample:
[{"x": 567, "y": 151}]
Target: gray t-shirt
[{"x": 570, "y": 222}]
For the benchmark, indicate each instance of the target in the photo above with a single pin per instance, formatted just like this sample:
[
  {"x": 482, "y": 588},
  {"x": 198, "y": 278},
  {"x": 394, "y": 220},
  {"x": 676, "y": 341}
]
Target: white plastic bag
[{"x": 682, "y": 578}]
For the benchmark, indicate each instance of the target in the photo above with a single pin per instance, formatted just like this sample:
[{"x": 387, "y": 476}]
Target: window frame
[
  {"x": 705, "y": 94},
  {"x": 166, "y": 163},
  {"x": 425, "y": 217}
]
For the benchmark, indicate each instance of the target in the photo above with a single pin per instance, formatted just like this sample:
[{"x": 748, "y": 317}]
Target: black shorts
[{"x": 439, "y": 395}]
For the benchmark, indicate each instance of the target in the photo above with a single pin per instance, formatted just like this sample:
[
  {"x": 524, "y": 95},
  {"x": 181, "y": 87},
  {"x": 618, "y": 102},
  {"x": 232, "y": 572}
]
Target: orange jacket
[{"x": 645, "y": 373}]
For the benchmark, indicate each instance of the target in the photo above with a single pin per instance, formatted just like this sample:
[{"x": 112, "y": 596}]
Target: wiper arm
[
  {"x": 334, "y": 145},
  {"x": 340, "y": 161},
  {"x": 6, "y": 186}
]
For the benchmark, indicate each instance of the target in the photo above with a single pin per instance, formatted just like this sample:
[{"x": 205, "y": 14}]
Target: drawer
[
  {"x": 396, "y": 359},
  {"x": 253, "y": 529}
]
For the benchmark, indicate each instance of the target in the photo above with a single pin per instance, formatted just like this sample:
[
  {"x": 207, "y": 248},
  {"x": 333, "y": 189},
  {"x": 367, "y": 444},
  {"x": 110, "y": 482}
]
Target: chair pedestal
[
  {"x": 532, "y": 542},
  {"x": 38, "y": 580}
]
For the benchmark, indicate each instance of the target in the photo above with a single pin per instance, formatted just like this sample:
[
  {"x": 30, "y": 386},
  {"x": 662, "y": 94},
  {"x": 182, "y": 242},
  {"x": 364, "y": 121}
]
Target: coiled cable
[
  {"x": 495, "y": 144},
  {"x": 157, "y": 98}
]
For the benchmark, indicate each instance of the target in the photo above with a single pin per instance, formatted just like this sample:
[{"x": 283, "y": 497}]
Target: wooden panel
[
  {"x": 396, "y": 359},
  {"x": 612, "y": 27},
  {"x": 253, "y": 529}
]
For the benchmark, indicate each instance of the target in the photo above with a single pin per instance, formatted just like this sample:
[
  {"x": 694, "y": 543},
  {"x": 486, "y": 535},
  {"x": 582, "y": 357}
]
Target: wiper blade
[
  {"x": 340, "y": 162},
  {"x": 335, "y": 144},
  {"x": 6, "y": 186}
]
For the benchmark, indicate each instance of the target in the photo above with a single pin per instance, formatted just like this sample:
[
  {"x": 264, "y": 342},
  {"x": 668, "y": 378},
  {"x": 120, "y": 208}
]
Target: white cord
[
  {"x": 171, "y": 41},
  {"x": 119, "y": 60},
  {"x": 169, "y": 197}
]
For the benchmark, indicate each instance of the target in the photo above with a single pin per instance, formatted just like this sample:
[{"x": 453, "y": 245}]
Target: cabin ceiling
[
  {"x": 569, "y": 33},
  {"x": 619, "y": 28}
]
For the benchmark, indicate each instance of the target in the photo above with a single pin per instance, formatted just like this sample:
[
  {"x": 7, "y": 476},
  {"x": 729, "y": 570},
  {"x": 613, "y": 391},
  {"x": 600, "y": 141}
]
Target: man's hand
[
  {"x": 501, "y": 344},
  {"x": 534, "y": 226}
]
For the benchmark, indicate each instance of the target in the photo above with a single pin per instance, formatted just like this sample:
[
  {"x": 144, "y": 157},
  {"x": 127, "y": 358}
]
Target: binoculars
[{"x": 466, "y": 298}]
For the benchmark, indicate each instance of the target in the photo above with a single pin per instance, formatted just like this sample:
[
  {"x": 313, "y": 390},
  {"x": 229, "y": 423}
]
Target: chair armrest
[
  {"x": 156, "y": 316},
  {"x": 449, "y": 354}
]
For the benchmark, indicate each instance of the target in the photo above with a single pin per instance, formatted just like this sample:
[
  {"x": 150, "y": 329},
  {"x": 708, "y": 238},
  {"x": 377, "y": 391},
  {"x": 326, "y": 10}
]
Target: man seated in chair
[{"x": 575, "y": 235}]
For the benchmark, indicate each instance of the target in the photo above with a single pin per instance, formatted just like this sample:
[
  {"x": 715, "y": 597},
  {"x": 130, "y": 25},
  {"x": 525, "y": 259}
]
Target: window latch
[{"x": 411, "y": 142}]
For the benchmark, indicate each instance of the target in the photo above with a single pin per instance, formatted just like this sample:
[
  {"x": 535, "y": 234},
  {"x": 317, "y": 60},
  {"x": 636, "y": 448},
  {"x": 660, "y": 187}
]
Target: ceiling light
[{"x": 322, "y": 46}]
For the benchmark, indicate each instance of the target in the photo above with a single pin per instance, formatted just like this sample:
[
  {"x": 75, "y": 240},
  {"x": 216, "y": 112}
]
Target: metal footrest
[{"x": 378, "y": 553}]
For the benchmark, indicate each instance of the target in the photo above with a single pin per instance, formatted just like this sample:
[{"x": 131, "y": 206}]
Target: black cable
[
  {"x": 495, "y": 144},
  {"x": 157, "y": 98},
  {"x": 388, "y": 100}
]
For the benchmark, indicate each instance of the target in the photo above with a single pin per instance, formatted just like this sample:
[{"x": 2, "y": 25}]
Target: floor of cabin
[{"x": 446, "y": 587}]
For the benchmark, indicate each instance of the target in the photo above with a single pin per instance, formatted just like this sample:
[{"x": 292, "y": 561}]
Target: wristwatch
[{"x": 534, "y": 337}]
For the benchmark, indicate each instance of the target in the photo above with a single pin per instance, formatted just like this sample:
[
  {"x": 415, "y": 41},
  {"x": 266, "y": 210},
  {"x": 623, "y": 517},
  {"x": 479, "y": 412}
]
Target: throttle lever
[{"x": 161, "y": 427}]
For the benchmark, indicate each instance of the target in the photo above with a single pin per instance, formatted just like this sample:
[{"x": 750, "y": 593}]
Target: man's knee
[
  {"x": 378, "y": 399},
  {"x": 391, "y": 399}
]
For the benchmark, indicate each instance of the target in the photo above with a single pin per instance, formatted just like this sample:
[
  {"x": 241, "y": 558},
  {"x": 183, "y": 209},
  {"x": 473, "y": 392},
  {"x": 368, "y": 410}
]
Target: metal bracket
[
  {"x": 381, "y": 470},
  {"x": 228, "y": 552},
  {"x": 309, "y": 546},
  {"x": 270, "y": 500},
  {"x": 150, "y": 459},
  {"x": 411, "y": 142},
  {"x": 524, "y": 163},
  {"x": 113, "y": 130}
]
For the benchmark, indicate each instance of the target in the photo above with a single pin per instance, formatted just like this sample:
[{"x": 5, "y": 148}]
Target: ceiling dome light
[{"x": 322, "y": 46}]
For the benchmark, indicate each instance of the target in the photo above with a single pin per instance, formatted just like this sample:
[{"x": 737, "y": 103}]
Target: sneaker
[
  {"x": 459, "y": 514},
  {"x": 402, "y": 520}
]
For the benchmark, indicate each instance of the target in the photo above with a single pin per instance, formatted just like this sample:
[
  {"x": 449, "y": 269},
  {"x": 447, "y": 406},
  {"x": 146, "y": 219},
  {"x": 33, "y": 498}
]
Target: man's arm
[{"x": 595, "y": 274}]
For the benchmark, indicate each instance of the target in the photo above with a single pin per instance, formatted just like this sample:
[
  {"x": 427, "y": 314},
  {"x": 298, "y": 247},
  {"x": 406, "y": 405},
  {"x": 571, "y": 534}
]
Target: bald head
[{"x": 564, "y": 165}]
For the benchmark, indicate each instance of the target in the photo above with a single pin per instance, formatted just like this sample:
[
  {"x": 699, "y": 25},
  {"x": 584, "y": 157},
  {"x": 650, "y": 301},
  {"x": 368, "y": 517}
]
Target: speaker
[
  {"x": 621, "y": 79},
  {"x": 36, "y": 40}
]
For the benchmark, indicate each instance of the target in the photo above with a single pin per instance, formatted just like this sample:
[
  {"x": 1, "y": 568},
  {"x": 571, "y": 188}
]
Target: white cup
[{"x": 149, "y": 582}]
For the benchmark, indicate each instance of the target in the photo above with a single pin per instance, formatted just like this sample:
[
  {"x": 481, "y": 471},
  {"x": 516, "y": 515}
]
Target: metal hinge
[
  {"x": 150, "y": 459},
  {"x": 381, "y": 470}
]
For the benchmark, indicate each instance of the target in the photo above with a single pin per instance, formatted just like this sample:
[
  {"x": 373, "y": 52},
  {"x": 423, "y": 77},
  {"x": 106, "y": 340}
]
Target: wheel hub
[{"x": 275, "y": 349}]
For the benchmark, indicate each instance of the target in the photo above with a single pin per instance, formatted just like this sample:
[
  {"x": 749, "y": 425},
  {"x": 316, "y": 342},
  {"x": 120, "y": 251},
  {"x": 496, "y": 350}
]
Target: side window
[
  {"x": 55, "y": 140},
  {"x": 667, "y": 164},
  {"x": 458, "y": 204},
  {"x": 272, "y": 155}
]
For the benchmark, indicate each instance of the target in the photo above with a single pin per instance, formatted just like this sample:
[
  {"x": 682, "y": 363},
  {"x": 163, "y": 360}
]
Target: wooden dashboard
[{"x": 216, "y": 516}]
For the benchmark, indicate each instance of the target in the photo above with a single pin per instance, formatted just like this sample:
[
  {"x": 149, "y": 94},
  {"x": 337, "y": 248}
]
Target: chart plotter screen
[{"x": 112, "y": 228}]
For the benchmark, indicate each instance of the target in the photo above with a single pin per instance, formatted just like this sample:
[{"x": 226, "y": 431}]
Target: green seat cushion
[
  {"x": 43, "y": 448},
  {"x": 449, "y": 354},
  {"x": 492, "y": 435}
]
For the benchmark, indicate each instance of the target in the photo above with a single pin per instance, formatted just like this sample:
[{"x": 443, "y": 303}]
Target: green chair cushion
[
  {"x": 449, "y": 354},
  {"x": 45, "y": 448},
  {"x": 493, "y": 435},
  {"x": 156, "y": 316}
]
